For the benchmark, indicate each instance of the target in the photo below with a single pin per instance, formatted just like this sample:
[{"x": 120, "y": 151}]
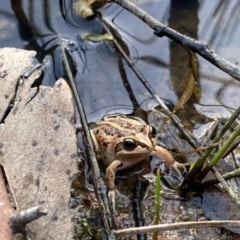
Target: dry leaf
[
  {"x": 187, "y": 92},
  {"x": 191, "y": 80},
  {"x": 97, "y": 37}
]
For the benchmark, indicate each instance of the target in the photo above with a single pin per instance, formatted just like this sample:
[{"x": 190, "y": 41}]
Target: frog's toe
[
  {"x": 111, "y": 198},
  {"x": 178, "y": 167}
]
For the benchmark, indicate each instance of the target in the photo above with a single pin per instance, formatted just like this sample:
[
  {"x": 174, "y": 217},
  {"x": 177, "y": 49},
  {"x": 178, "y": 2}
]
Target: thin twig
[
  {"x": 100, "y": 187},
  {"x": 190, "y": 43},
  {"x": 196, "y": 150},
  {"x": 157, "y": 203},
  {"x": 176, "y": 226}
]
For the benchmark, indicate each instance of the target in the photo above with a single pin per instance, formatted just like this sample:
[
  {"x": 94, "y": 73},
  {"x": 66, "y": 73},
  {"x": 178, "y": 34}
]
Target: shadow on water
[
  {"x": 106, "y": 83},
  {"x": 178, "y": 17}
]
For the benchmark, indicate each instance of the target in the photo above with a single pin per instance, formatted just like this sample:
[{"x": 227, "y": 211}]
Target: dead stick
[
  {"x": 100, "y": 187},
  {"x": 196, "y": 46},
  {"x": 176, "y": 226}
]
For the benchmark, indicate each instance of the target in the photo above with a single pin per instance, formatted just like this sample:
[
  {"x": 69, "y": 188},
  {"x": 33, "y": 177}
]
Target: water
[{"x": 163, "y": 63}]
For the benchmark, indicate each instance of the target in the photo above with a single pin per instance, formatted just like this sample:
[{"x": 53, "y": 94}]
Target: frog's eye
[
  {"x": 129, "y": 144},
  {"x": 153, "y": 131}
]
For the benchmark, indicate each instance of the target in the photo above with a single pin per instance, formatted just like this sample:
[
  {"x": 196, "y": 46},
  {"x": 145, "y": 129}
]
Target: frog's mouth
[{"x": 132, "y": 156}]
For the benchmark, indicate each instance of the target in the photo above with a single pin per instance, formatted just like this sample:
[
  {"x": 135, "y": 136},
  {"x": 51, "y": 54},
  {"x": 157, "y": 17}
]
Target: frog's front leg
[
  {"x": 111, "y": 172},
  {"x": 110, "y": 180},
  {"x": 169, "y": 159}
]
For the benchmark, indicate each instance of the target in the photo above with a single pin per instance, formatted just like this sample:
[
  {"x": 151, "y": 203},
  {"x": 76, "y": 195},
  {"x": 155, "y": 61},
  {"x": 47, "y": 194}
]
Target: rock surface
[{"x": 38, "y": 149}]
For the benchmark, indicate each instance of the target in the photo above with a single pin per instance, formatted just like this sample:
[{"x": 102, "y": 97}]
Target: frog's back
[{"x": 112, "y": 130}]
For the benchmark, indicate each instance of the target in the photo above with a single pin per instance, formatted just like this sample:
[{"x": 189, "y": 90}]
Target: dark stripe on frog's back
[
  {"x": 123, "y": 122},
  {"x": 120, "y": 128}
]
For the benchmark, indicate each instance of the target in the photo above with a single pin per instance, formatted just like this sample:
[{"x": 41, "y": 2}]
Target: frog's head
[{"x": 137, "y": 147}]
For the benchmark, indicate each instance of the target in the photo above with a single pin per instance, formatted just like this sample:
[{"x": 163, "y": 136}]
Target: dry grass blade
[
  {"x": 5, "y": 210},
  {"x": 157, "y": 203},
  {"x": 176, "y": 226}
]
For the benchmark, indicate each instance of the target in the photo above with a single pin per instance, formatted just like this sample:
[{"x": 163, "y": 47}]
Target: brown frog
[{"x": 121, "y": 141}]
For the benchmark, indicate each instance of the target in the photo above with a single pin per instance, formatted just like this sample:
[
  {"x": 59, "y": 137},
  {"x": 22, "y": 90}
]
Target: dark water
[
  {"x": 105, "y": 82},
  {"x": 103, "y": 77}
]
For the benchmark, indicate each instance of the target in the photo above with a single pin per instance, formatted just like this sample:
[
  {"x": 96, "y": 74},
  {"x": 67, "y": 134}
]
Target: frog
[{"x": 122, "y": 141}]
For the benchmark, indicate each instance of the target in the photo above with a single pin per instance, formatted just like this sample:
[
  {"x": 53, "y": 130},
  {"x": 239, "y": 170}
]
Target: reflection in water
[
  {"x": 183, "y": 17},
  {"x": 42, "y": 25},
  {"x": 96, "y": 67},
  {"x": 219, "y": 28},
  {"x": 221, "y": 24}
]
